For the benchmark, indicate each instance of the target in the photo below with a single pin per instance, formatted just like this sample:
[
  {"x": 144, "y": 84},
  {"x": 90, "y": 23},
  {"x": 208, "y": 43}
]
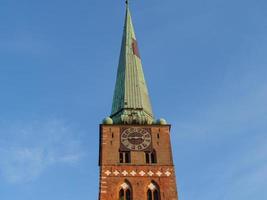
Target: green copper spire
[{"x": 131, "y": 103}]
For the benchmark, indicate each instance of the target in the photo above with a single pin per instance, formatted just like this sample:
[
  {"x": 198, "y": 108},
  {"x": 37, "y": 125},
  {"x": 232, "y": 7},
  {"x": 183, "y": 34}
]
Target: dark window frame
[
  {"x": 151, "y": 157},
  {"x": 125, "y": 157},
  {"x": 155, "y": 193},
  {"x": 126, "y": 194}
]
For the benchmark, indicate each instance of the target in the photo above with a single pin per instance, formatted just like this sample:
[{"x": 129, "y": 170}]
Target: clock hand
[{"x": 135, "y": 137}]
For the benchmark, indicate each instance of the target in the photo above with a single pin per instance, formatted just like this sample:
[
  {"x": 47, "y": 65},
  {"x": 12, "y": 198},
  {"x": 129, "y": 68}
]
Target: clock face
[{"x": 136, "y": 139}]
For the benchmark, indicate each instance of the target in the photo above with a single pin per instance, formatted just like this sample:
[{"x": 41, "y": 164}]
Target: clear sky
[{"x": 205, "y": 63}]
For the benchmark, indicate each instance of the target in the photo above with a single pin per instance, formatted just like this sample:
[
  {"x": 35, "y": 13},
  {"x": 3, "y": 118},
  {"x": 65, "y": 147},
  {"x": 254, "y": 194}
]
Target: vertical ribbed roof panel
[{"x": 131, "y": 102}]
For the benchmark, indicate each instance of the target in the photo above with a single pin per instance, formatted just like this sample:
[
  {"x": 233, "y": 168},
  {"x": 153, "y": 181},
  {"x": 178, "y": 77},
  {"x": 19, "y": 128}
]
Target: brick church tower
[{"x": 135, "y": 155}]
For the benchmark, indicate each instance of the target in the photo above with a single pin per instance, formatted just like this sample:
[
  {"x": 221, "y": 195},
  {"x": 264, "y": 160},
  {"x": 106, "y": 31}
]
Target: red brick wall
[{"x": 139, "y": 174}]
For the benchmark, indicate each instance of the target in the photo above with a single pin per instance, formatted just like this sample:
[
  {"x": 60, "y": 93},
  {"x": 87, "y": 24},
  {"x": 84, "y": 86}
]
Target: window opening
[
  {"x": 151, "y": 157},
  {"x": 125, "y": 157},
  {"x": 128, "y": 194},
  {"x": 156, "y": 195},
  {"x": 147, "y": 157},
  {"x": 121, "y": 157},
  {"x": 125, "y": 192},
  {"x": 149, "y": 195},
  {"x": 153, "y": 192},
  {"x": 121, "y": 194}
]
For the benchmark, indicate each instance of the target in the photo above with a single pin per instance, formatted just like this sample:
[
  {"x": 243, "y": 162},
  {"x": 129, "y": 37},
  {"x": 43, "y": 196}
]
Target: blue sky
[{"x": 205, "y": 64}]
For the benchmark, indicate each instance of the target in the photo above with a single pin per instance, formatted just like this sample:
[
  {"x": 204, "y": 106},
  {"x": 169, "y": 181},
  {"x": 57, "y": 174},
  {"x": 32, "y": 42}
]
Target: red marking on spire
[{"x": 135, "y": 48}]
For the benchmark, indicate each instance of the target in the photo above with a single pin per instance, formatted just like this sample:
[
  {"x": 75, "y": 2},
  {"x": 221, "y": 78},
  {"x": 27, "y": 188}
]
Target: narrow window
[
  {"x": 147, "y": 157},
  {"x": 149, "y": 195},
  {"x": 125, "y": 157},
  {"x": 156, "y": 194},
  {"x": 121, "y": 194},
  {"x": 125, "y": 191},
  {"x": 153, "y": 192},
  {"x": 121, "y": 157},
  {"x": 151, "y": 157},
  {"x": 128, "y": 194}
]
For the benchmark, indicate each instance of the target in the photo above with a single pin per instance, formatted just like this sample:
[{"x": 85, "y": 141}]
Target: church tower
[{"x": 135, "y": 155}]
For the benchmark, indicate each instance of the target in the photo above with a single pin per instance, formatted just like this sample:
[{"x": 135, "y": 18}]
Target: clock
[{"x": 136, "y": 139}]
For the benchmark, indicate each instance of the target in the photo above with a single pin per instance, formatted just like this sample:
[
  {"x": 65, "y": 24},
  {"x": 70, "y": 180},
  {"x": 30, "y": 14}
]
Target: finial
[{"x": 127, "y": 2}]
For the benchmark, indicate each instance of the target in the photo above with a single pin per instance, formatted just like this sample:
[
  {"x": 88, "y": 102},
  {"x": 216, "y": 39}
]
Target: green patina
[{"x": 131, "y": 103}]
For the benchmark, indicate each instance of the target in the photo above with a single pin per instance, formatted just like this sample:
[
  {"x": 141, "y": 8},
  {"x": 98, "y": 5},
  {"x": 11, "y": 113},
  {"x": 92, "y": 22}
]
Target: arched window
[
  {"x": 149, "y": 194},
  {"x": 128, "y": 194},
  {"x": 151, "y": 157},
  {"x": 121, "y": 194},
  {"x": 153, "y": 192},
  {"x": 125, "y": 191},
  {"x": 156, "y": 194}
]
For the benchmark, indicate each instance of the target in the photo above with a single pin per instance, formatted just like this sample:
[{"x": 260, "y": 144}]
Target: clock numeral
[
  {"x": 144, "y": 145},
  {"x": 147, "y": 136},
  {"x": 143, "y": 132}
]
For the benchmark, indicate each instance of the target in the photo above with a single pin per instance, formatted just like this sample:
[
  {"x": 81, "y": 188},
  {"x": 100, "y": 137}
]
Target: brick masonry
[{"x": 139, "y": 174}]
